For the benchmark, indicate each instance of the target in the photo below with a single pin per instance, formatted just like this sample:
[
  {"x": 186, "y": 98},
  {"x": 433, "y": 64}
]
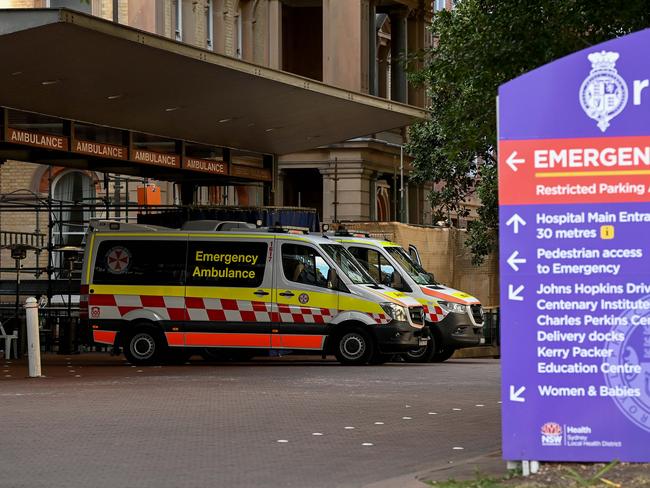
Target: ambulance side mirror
[{"x": 332, "y": 279}]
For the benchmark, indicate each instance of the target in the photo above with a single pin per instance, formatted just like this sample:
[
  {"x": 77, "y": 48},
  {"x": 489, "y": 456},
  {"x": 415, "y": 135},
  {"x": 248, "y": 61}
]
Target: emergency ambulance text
[{"x": 226, "y": 258}]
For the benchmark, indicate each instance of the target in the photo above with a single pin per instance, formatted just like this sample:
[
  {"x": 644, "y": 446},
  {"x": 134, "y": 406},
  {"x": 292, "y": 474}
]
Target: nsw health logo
[{"x": 551, "y": 434}]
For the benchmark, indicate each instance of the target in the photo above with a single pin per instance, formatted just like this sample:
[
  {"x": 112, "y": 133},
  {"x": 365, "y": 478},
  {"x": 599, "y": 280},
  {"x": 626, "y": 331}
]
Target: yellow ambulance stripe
[
  {"x": 389, "y": 296},
  {"x": 347, "y": 302},
  {"x": 321, "y": 300},
  {"x": 141, "y": 234},
  {"x": 316, "y": 299},
  {"x": 155, "y": 290},
  {"x": 236, "y": 236},
  {"x": 90, "y": 256},
  {"x": 231, "y": 293}
]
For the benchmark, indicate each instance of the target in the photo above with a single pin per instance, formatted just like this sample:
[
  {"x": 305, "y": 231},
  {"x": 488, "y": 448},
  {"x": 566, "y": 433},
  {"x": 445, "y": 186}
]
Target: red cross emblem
[{"x": 118, "y": 260}]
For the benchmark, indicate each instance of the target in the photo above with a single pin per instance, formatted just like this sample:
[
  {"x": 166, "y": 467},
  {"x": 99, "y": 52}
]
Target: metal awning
[{"x": 71, "y": 65}]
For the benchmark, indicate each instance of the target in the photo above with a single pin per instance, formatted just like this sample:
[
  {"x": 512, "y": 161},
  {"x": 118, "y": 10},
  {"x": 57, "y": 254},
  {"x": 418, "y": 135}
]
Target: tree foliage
[{"x": 479, "y": 45}]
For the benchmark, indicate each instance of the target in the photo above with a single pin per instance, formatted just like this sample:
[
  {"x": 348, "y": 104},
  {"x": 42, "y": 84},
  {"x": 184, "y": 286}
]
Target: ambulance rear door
[
  {"x": 229, "y": 294},
  {"x": 305, "y": 304}
]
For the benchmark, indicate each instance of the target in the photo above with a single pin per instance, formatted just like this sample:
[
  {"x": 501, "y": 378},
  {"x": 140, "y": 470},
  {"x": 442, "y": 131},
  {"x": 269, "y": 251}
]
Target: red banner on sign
[{"x": 615, "y": 169}]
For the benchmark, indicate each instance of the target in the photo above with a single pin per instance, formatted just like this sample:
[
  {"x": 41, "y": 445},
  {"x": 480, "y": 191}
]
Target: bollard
[{"x": 33, "y": 338}]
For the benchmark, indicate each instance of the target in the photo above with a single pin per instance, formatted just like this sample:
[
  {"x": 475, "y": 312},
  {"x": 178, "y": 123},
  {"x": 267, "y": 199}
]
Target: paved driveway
[{"x": 97, "y": 422}]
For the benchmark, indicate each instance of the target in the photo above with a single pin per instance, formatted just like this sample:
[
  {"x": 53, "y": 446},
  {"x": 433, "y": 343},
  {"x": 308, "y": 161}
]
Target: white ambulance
[
  {"x": 454, "y": 318},
  {"x": 163, "y": 294}
]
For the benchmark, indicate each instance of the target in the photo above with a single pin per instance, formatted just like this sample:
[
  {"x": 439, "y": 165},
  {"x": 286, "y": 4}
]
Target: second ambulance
[{"x": 455, "y": 319}]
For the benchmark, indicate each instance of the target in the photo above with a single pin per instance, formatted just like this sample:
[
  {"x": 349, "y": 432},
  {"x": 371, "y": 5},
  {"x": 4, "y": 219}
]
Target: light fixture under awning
[{"x": 172, "y": 89}]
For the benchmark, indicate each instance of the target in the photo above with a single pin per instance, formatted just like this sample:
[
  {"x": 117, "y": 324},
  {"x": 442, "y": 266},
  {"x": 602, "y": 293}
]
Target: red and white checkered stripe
[
  {"x": 380, "y": 318},
  {"x": 305, "y": 315},
  {"x": 433, "y": 313},
  {"x": 227, "y": 310},
  {"x": 116, "y": 306},
  {"x": 107, "y": 307}
]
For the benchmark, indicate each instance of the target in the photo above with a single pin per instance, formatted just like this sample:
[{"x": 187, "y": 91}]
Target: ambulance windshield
[
  {"x": 413, "y": 269},
  {"x": 347, "y": 264}
]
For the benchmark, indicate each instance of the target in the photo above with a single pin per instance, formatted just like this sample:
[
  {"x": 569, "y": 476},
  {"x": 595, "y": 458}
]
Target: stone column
[
  {"x": 398, "y": 53},
  {"x": 416, "y": 26},
  {"x": 352, "y": 191},
  {"x": 346, "y": 43},
  {"x": 372, "y": 48},
  {"x": 275, "y": 34}
]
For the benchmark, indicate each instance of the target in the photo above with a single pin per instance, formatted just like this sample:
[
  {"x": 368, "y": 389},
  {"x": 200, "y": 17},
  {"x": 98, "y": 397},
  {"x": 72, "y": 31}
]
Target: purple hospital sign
[{"x": 574, "y": 199}]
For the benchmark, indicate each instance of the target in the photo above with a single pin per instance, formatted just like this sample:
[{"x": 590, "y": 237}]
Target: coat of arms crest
[{"x": 603, "y": 94}]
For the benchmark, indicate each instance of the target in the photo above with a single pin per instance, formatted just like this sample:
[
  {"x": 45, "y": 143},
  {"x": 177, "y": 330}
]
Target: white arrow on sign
[
  {"x": 515, "y": 221},
  {"x": 513, "y": 294},
  {"x": 513, "y": 161},
  {"x": 515, "y": 394},
  {"x": 513, "y": 261}
]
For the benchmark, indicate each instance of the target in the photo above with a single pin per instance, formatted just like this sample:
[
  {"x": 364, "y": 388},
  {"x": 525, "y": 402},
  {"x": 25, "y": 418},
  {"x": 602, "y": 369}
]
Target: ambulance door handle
[
  {"x": 260, "y": 293},
  {"x": 287, "y": 294}
]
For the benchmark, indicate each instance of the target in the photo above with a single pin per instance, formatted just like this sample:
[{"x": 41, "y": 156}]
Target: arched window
[{"x": 70, "y": 190}]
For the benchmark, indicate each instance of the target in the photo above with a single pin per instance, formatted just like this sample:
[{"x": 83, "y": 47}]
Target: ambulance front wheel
[
  {"x": 441, "y": 355},
  {"x": 354, "y": 347},
  {"x": 145, "y": 346}
]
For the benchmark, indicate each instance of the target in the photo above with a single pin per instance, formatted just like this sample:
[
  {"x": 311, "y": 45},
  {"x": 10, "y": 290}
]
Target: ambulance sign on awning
[{"x": 574, "y": 197}]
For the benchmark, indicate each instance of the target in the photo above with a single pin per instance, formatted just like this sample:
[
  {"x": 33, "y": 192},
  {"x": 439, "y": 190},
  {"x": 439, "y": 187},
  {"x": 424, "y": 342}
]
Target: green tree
[{"x": 479, "y": 45}]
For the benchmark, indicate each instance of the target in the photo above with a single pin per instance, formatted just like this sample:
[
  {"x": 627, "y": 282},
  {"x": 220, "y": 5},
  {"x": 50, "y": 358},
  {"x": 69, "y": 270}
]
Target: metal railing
[{"x": 11, "y": 238}]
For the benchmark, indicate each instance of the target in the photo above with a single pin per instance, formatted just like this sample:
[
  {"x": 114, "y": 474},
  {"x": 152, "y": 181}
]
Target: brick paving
[{"x": 96, "y": 421}]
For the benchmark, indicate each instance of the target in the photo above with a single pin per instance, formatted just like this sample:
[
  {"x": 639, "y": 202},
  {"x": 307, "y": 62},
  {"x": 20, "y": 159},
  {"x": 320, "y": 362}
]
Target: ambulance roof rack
[
  {"x": 114, "y": 225},
  {"x": 215, "y": 225},
  {"x": 343, "y": 232},
  {"x": 288, "y": 229}
]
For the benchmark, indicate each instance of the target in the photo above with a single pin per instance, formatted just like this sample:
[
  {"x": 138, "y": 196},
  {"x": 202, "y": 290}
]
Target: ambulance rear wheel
[
  {"x": 354, "y": 347},
  {"x": 422, "y": 354},
  {"x": 145, "y": 346}
]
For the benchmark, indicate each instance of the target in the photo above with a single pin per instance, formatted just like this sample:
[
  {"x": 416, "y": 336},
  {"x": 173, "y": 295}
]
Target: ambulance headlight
[
  {"x": 452, "y": 307},
  {"x": 396, "y": 312}
]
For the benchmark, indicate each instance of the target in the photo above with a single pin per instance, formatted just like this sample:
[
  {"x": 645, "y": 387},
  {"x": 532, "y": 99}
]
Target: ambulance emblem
[
  {"x": 118, "y": 260},
  {"x": 303, "y": 298},
  {"x": 603, "y": 94}
]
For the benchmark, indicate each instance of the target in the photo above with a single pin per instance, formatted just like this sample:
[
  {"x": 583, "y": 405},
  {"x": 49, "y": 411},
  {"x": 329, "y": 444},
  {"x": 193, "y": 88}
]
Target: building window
[
  {"x": 439, "y": 5},
  {"x": 210, "y": 25},
  {"x": 239, "y": 33},
  {"x": 71, "y": 191}
]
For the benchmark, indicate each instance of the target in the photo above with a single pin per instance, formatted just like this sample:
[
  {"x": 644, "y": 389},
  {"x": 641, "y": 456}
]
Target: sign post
[{"x": 574, "y": 199}]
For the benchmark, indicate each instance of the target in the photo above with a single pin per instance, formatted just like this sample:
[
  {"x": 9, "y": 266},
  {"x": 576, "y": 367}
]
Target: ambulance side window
[
  {"x": 140, "y": 262},
  {"x": 303, "y": 264},
  {"x": 379, "y": 268},
  {"x": 226, "y": 263}
]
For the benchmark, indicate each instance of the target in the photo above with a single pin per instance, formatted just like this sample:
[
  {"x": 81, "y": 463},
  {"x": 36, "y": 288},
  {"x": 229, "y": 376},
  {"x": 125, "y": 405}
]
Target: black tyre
[
  {"x": 146, "y": 345},
  {"x": 422, "y": 354},
  {"x": 354, "y": 347},
  {"x": 441, "y": 355}
]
